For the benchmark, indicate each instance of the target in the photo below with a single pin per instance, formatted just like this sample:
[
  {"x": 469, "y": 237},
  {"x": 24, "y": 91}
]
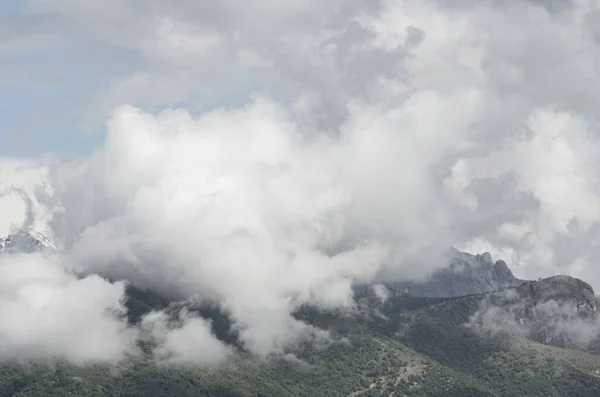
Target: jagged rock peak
[
  {"x": 502, "y": 270},
  {"x": 25, "y": 241},
  {"x": 464, "y": 275}
]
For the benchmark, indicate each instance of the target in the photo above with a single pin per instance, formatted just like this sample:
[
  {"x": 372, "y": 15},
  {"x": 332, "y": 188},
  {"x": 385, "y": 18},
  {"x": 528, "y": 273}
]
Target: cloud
[
  {"x": 381, "y": 292},
  {"x": 190, "y": 342},
  {"x": 23, "y": 188},
  {"x": 45, "y": 311},
  {"x": 50, "y": 311},
  {"x": 326, "y": 143},
  {"x": 234, "y": 206}
]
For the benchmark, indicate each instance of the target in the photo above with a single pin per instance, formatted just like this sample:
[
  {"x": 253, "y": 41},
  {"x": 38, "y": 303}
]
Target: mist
[{"x": 556, "y": 322}]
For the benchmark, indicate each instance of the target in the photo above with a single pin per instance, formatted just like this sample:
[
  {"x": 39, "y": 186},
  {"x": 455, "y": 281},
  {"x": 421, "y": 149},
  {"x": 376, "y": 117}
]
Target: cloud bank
[
  {"x": 46, "y": 311},
  {"x": 321, "y": 144}
]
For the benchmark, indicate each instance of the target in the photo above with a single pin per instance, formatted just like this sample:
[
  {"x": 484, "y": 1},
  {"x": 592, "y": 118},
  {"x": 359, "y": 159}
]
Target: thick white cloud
[
  {"x": 45, "y": 311},
  {"x": 235, "y": 206},
  {"x": 378, "y": 134},
  {"x": 191, "y": 342},
  {"x": 22, "y": 187}
]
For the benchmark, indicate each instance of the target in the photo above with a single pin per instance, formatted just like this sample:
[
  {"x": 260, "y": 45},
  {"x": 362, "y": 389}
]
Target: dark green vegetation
[{"x": 408, "y": 346}]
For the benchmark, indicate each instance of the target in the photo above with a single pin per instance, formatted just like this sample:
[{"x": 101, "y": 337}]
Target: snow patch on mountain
[{"x": 26, "y": 241}]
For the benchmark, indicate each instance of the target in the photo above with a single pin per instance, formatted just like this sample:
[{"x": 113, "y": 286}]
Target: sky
[
  {"x": 60, "y": 81},
  {"x": 48, "y": 80},
  {"x": 271, "y": 153}
]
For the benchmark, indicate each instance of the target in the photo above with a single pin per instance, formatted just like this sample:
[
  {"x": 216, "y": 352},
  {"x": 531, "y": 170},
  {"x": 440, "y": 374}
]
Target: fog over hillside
[{"x": 362, "y": 141}]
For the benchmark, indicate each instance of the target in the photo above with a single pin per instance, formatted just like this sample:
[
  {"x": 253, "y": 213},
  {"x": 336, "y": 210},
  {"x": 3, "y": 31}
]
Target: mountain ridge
[
  {"x": 466, "y": 274},
  {"x": 25, "y": 241},
  {"x": 391, "y": 344}
]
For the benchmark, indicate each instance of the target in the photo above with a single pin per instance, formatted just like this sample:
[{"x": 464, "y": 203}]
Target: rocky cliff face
[
  {"x": 559, "y": 310},
  {"x": 25, "y": 241},
  {"x": 467, "y": 274}
]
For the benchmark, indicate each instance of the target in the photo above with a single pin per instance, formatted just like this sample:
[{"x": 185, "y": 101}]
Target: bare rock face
[
  {"x": 560, "y": 310},
  {"x": 561, "y": 288},
  {"x": 467, "y": 274},
  {"x": 25, "y": 241}
]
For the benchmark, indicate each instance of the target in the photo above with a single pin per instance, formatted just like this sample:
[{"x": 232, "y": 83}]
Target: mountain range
[{"x": 476, "y": 330}]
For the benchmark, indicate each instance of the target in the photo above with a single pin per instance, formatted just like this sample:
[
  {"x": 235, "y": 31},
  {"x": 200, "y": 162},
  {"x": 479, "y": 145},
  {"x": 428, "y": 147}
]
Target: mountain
[
  {"x": 399, "y": 346},
  {"x": 466, "y": 274},
  {"x": 25, "y": 241},
  {"x": 537, "y": 338},
  {"x": 559, "y": 310}
]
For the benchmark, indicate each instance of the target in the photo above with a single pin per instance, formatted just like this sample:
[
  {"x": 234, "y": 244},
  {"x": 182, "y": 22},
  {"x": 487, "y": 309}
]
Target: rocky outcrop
[
  {"x": 467, "y": 274},
  {"x": 560, "y": 311},
  {"x": 25, "y": 241}
]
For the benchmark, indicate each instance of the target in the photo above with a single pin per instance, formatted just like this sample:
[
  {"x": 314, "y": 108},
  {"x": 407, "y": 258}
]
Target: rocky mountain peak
[
  {"x": 562, "y": 289},
  {"x": 502, "y": 271},
  {"x": 466, "y": 274},
  {"x": 25, "y": 241}
]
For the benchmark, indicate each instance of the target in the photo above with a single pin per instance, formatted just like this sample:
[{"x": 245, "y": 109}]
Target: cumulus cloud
[
  {"x": 235, "y": 206},
  {"x": 23, "y": 189},
  {"x": 327, "y": 143},
  {"x": 45, "y": 311},
  {"x": 190, "y": 341}
]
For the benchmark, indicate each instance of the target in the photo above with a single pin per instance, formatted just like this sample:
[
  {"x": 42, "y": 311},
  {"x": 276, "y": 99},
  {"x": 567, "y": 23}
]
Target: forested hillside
[{"x": 406, "y": 346}]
